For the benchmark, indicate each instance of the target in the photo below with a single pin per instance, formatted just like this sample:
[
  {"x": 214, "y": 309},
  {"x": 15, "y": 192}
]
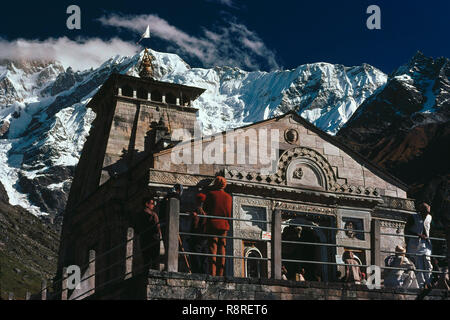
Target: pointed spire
[{"x": 146, "y": 67}]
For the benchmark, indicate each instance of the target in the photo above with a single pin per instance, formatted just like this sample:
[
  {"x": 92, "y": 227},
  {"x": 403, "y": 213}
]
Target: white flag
[{"x": 146, "y": 34}]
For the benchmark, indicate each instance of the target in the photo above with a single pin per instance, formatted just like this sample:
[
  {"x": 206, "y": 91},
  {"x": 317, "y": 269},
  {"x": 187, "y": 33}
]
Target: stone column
[
  {"x": 44, "y": 290},
  {"x": 172, "y": 235},
  {"x": 91, "y": 273},
  {"x": 129, "y": 254},
  {"x": 276, "y": 245},
  {"x": 447, "y": 233},
  {"x": 64, "y": 290},
  {"x": 375, "y": 245},
  {"x": 119, "y": 91}
]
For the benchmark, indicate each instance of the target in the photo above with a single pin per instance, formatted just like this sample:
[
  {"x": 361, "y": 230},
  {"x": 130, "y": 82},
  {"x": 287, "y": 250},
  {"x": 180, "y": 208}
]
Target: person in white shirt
[{"x": 419, "y": 244}]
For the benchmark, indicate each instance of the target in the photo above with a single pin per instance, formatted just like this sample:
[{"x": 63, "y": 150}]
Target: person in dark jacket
[
  {"x": 198, "y": 226},
  {"x": 150, "y": 233},
  {"x": 218, "y": 203}
]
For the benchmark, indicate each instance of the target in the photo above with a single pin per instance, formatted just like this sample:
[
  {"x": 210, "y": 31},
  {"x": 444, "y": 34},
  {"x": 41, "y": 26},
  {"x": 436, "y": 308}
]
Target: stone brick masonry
[{"x": 164, "y": 285}]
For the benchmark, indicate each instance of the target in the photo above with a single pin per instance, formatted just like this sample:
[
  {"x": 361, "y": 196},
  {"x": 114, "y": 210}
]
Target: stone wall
[{"x": 163, "y": 285}]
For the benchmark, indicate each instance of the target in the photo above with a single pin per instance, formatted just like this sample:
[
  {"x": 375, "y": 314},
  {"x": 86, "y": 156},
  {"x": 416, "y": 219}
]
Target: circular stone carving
[{"x": 291, "y": 136}]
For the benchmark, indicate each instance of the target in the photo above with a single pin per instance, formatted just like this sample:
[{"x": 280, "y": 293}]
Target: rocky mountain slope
[
  {"x": 405, "y": 127},
  {"x": 28, "y": 249},
  {"x": 44, "y": 122}
]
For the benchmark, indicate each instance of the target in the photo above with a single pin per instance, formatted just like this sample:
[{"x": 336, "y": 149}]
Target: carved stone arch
[
  {"x": 305, "y": 164},
  {"x": 248, "y": 252}
]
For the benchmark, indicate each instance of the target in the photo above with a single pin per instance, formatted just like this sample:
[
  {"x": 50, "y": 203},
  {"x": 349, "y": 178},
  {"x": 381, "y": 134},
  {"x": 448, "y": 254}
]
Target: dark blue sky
[{"x": 297, "y": 32}]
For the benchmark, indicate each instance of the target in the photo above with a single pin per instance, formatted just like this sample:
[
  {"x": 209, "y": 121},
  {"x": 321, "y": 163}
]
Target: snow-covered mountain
[
  {"x": 405, "y": 128},
  {"x": 44, "y": 122}
]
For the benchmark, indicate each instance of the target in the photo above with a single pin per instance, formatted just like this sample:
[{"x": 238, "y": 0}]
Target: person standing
[
  {"x": 150, "y": 234},
  {"x": 419, "y": 244},
  {"x": 198, "y": 224},
  {"x": 218, "y": 203}
]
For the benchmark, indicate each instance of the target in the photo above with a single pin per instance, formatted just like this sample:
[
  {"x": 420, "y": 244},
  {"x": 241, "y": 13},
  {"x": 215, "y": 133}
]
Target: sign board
[{"x": 266, "y": 235}]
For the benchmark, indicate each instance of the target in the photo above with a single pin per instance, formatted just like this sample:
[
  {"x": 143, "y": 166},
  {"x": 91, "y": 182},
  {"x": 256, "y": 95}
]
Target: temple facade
[{"x": 146, "y": 138}]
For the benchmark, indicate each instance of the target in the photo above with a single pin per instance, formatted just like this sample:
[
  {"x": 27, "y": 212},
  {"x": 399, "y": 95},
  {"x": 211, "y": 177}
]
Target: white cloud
[
  {"x": 232, "y": 44},
  {"x": 81, "y": 54}
]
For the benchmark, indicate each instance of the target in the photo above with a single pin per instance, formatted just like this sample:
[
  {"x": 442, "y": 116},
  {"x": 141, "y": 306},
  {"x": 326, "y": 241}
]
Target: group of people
[
  {"x": 415, "y": 264},
  {"x": 408, "y": 268},
  {"x": 215, "y": 203},
  {"x": 411, "y": 267}
]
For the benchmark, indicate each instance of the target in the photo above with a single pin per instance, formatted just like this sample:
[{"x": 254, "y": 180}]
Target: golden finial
[{"x": 146, "y": 67}]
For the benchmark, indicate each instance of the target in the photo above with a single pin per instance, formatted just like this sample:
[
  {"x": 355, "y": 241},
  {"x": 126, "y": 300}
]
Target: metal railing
[{"x": 174, "y": 249}]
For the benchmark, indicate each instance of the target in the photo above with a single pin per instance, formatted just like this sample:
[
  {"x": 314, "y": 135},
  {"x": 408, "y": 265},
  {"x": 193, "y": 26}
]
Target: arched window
[
  {"x": 170, "y": 98},
  {"x": 127, "y": 91},
  {"x": 142, "y": 93},
  {"x": 253, "y": 266},
  {"x": 156, "y": 96}
]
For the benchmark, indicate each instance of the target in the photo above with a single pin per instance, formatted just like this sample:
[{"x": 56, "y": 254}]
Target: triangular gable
[{"x": 341, "y": 167}]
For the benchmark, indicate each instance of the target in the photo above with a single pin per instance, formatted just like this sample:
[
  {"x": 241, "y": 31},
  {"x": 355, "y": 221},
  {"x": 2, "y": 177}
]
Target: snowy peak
[
  {"x": 21, "y": 80},
  {"x": 44, "y": 121},
  {"x": 325, "y": 94},
  {"x": 428, "y": 77}
]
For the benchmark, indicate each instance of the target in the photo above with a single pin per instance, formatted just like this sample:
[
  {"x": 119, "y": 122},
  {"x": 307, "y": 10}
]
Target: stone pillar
[
  {"x": 163, "y": 98},
  {"x": 129, "y": 254},
  {"x": 28, "y": 295},
  {"x": 172, "y": 235},
  {"x": 447, "y": 233},
  {"x": 119, "y": 91},
  {"x": 149, "y": 96},
  {"x": 134, "y": 94},
  {"x": 178, "y": 102},
  {"x": 44, "y": 290},
  {"x": 91, "y": 273},
  {"x": 64, "y": 290},
  {"x": 276, "y": 245},
  {"x": 375, "y": 245}
]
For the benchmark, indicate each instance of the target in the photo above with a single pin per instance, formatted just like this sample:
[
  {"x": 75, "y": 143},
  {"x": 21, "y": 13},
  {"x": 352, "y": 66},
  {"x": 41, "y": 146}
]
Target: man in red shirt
[{"x": 218, "y": 203}]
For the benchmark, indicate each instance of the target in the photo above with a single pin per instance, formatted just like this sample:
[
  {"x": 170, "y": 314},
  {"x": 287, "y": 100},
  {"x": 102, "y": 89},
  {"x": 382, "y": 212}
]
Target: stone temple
[{"x": 311, "y": 179}]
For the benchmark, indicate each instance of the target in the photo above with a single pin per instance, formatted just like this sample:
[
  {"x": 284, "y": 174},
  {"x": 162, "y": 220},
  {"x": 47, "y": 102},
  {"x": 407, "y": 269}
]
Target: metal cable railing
[{"x": 205, "y": 236}]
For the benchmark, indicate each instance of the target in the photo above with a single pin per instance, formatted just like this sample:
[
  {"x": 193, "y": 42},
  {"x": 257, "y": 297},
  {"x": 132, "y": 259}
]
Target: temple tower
[{"x": 134, "y": 115}]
